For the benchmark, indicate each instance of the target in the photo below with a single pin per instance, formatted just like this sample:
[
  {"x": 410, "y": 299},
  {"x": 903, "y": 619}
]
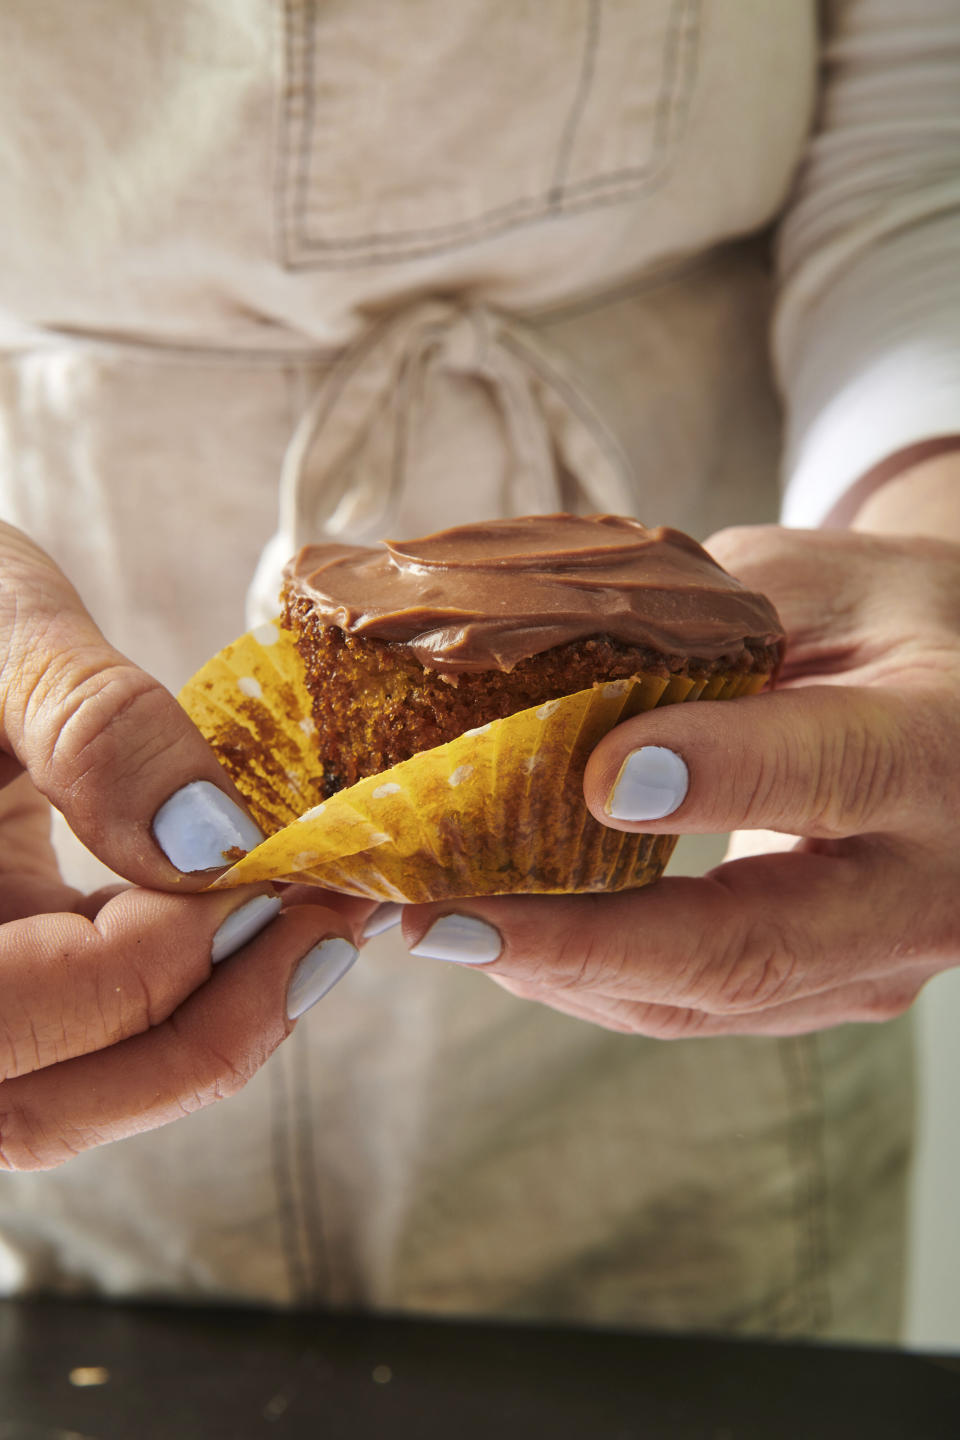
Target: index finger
[{"x": 754, "y": 934}]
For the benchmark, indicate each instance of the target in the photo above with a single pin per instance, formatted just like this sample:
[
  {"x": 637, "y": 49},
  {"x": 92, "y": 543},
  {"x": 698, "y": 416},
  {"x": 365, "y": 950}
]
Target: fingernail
[
  {"x": 652, "y": 783},
  {"x": 242, "y": 924},
  {"x": 383, "y": 918},
  {"x": 461, "y": 938},
  {"x": 318, "y": 972},
  {"x": 199, "y": 826}
]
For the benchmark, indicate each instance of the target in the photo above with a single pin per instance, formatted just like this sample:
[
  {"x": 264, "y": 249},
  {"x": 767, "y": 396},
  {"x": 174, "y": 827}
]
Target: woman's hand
[
  {"x": 115, "y": 1013},
  {"x": 853, "y": 761}
]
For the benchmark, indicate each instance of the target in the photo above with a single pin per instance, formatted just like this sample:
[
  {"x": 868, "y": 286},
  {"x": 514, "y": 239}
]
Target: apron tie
[{"x": 354, "y": 460}]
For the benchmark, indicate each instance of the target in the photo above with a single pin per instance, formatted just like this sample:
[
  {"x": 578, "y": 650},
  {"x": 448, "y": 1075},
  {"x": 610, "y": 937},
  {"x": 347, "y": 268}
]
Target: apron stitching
[
  {"x": 584, "y": 86},
  {"x": 535, "y": 215},
  {"x": 283, "y": 1179},
  {"x": 284, "y": 41},
  {"x": 315, "y": 1240},
  {"x": 305, "y": 147},
  {"x": 680, "y": 57},
  {"x": 679, "y": 71},
  {"x": 805, "y": 1142},
  {"x": 681, "y": 54}
]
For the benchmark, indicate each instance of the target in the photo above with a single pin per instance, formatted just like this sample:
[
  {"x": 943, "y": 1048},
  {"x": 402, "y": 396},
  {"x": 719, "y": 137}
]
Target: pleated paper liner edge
[{"x": 499, "y": 810}]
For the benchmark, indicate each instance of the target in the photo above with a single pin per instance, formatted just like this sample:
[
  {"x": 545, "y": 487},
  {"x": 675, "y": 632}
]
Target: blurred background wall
[{"x": 933, "y": 1312}]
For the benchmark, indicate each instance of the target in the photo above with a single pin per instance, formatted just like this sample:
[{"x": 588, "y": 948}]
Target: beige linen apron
[{"x": 386, "y": 267}]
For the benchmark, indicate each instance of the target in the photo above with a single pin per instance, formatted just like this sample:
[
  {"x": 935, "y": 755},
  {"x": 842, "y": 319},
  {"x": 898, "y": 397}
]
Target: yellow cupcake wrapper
[{"x": 500, "y": 809}]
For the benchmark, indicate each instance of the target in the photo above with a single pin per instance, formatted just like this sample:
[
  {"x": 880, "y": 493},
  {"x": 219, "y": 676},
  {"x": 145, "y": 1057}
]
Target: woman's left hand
[{"x": 853, "y": 762}]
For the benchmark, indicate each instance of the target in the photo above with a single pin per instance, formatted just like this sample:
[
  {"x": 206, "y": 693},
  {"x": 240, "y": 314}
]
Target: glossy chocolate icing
[{"x": 485, "y": 596}]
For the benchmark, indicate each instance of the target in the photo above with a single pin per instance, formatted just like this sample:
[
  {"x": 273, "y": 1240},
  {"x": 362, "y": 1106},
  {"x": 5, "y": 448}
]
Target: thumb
[
  {"x": 104, "y": 742},
  {"x": 825, "y": 761}
]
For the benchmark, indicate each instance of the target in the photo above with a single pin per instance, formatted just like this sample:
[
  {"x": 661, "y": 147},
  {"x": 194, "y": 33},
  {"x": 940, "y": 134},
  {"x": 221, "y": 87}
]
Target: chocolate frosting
[{"x": 485, "y": 596}]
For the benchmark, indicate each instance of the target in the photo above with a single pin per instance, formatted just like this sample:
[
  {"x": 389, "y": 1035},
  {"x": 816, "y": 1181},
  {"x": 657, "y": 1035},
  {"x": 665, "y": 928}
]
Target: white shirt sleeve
[{"x": 867, "y": 328}]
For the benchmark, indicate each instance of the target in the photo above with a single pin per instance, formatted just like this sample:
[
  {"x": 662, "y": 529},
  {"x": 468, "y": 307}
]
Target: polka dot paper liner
[{"x": 499, "y": 810}]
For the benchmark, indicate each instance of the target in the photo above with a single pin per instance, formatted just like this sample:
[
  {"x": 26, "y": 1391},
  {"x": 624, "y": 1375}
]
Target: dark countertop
[{"x": 234, "y": 1374}]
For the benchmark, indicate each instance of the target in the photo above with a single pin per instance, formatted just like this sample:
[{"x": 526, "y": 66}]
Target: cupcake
[
  {"x": 408, "y": 645},
  {"x": 431, "y": 704}
]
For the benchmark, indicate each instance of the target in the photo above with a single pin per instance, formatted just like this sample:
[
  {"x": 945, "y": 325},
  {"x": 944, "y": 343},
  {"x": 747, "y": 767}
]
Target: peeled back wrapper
[{"x": 499, "y": 810}]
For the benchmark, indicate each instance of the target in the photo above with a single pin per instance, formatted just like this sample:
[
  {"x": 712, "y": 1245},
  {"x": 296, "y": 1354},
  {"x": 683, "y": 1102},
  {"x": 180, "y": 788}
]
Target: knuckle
[
  {"x": 582, "y": 951},
  {"x": 152, "y": 953},
  {"x": 136, "y": 999},
  {"x": 80, "y": 728},
  {"x": 24, "y": 1144},
  {"x": 214, "y": 1072},
  {"x": 220, "y": 1075},
  {"x": 770, "y": 779},
  {"x": 122, "y": 1010},
  {"x": 583, "y": 961},
  {"x": 934, "y": 788},
  {"x": 24, "y": 1049},
  {"x": 757, "y": 969},
  {"x": 844, "y": 776},
  {"x": 11, "y": 1051},
  {"x": 858, "y": 773},
  {"x": 233, "y": 1074},
  {"x": 666, "y": 1022}
]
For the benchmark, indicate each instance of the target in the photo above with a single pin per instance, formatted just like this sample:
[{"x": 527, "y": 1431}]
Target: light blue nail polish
[
  {"x": 383, "y": 918},
  {"x": 318, "y": 972},
  {"x": 652, "y": 783},
  {"x": 242, "y": 925},
  {"x": 199, "y": 824},
  {"x": 461, "y": 938}
]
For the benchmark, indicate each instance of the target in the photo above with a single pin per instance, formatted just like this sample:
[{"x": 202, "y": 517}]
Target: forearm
[{"x": 914, "y": 496}]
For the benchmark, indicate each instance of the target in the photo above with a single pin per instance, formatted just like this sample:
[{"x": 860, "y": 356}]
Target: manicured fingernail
[
  {"x": 383, "y": 918},
  {"x": 242, "y": 925},
  {"x": 199, "y": 827},
  {"x": 318, "y": 972},
  {"x": 461, "y": 938},
  {"x": 651, "y": 784}
]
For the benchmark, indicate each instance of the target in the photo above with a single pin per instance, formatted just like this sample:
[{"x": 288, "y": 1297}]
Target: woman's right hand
[{"x": 115, "y": 1013}]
